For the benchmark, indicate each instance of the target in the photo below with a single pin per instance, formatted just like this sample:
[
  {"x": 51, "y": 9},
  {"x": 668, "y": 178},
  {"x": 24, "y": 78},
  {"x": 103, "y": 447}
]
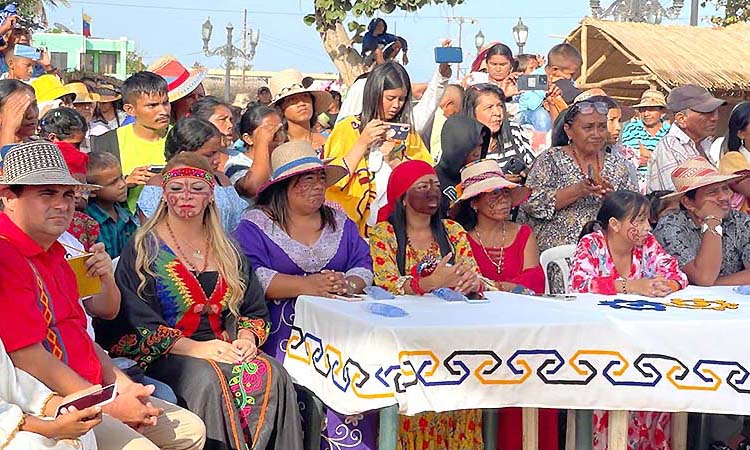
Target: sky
[{"x": 174, "y": 27}]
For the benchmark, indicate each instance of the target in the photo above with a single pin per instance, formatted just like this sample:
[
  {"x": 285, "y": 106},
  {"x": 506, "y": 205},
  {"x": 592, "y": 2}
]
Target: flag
[{"x": 86, "y": 25}]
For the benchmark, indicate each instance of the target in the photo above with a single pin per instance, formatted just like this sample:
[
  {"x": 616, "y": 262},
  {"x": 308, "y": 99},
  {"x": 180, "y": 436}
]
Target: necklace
[
  {"x": 181, "y": 254},
  {"x": 499, "y": 263}
]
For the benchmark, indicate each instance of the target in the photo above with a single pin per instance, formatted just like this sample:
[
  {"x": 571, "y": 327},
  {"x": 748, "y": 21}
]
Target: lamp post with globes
[
  {"x": 520, "y": 34},
  {"x": 228, "y": 51}
]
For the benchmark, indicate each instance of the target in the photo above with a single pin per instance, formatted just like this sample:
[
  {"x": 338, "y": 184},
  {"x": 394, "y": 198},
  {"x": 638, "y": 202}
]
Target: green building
[{"x": 76, "y": 52}]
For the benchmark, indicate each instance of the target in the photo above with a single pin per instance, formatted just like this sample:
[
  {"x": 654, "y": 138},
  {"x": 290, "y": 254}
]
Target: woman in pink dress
[{"x": 617, "y": 254}]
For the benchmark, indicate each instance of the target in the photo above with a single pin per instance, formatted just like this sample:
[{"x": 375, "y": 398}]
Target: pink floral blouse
[{"x": 594, "y": 270}]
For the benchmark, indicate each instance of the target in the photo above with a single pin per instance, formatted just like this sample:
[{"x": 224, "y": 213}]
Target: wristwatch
[{"x": 717, "y": 230}]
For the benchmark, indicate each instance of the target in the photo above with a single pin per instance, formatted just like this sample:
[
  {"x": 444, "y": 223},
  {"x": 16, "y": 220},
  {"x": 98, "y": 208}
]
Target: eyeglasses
[{"x": 590, "y": 107}]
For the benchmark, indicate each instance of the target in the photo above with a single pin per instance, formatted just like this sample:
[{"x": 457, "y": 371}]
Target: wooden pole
[
  {"x": 244, "y": 45},
  {"x": 584, "y": 52},
  {"x": 530, "y": 435},
  {"x": 618, "y": 430}
]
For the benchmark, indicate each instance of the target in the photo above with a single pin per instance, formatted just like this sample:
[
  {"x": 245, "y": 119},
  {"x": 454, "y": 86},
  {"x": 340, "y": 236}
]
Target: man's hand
[
  {"x": 99, "y": 264},
  {"x": 133, "y": 407},
  {"x": 445, "y": 69},
  {"x": 139, "y": 177}
]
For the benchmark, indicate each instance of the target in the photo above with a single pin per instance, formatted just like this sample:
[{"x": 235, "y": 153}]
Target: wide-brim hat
[
  {"x": 696, "y": 173},
  {"x": 108, "y": 98},
  {"x": 485, "y": 176},
  {"x": 734, "y": 163},
  {"x": 290, "y": 82},
  {"x": 37, "y": 163},
  {"x": 48, "y": 87},
  {"x": 296, "y": 158},
  {"x": 652, "y": 98},
  {"x": 180, "y": 80},
  {"x": 82, "y": 93}
]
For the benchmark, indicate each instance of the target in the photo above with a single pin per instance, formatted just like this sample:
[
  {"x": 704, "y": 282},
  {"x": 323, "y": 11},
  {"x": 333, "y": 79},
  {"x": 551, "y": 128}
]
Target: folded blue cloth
[{"x": 744, "y": 290}]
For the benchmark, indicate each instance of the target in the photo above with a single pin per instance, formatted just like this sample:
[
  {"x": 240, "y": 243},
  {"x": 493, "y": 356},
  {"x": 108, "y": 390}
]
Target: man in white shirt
[{"x": 696, "y": 117}]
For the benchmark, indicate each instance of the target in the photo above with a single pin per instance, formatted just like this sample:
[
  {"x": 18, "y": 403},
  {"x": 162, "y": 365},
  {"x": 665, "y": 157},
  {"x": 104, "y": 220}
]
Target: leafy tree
[
  {"x": 329, "y": 18},
  {"x": 134, "y": 63},
  {"x": 735, "y": 11},
  {"x": 35, "y": 9}
]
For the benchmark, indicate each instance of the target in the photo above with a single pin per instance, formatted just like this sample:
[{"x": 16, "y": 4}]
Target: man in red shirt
[{"x": 43, "y": 325}]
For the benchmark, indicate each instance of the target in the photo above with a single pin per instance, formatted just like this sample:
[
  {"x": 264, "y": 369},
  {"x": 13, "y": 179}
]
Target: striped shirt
[{"x": 634, "y": 134}]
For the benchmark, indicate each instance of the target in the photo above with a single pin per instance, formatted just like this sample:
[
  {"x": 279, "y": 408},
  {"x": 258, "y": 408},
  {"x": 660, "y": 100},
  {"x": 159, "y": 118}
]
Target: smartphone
[
  {"x": 515, "y": 166},
  {"x": 97, "y": 398},
  {"x": 155, "y": 169},
  {"x": 532, "y": 83},
  {"x": 449, "y": 55},
  {"x": 564, "y": 297},
  {"x": 397, "y": 131},
  {"x": 24, "y": 51}
]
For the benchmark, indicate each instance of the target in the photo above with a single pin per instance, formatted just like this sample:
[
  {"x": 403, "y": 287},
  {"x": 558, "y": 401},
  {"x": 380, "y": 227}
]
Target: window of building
[
  {"x": 59, "y": 60},
  {"x": 108, "y": 63},
  {"x": 87, "y": 62}
]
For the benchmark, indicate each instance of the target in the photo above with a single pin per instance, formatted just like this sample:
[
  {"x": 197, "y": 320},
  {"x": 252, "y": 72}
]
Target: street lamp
[
  {"x": 228, "y": 51},
  {"x": 479, "y": 41},
  {"x": 520, "y": 34}
]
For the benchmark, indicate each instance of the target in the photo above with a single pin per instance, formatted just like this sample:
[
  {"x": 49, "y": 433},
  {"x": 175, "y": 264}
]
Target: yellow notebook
[{"x": 87, "y": 286}]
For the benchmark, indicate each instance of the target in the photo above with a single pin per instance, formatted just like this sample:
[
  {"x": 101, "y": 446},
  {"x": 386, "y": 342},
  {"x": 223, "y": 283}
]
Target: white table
[{"x": 619, "y": 353}]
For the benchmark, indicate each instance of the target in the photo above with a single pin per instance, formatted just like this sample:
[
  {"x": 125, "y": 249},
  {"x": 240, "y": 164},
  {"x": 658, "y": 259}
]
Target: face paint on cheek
[
  {"x": 634, "y": 234},
  {"x": 424, "y": 202}
]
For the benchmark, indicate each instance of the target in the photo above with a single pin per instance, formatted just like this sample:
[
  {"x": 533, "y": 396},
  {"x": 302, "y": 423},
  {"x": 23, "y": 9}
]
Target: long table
[{"x": 684, "y": 353}]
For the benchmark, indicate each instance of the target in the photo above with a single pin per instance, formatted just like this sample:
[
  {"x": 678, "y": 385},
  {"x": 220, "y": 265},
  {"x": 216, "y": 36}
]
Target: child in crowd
[
  {"x": 116, "y": 223},
  {"x": 660, "y": 206},
  {"x": 527, "y": 63},
  {"x": 563, "y": 61},
  {"x": 19, "y": 68},
  {"x": 66, "y": 128}
]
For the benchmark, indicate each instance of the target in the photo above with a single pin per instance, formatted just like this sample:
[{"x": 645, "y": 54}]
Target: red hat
[
  {"x": 401, "y": 179},
  {"x": 74, "y": 158}
]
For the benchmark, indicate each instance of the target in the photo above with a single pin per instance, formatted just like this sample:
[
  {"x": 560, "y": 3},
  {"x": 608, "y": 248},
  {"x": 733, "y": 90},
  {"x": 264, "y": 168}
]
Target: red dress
[
  {"x": 509, "y": 419},
  {"x": 513, "y": 271}
]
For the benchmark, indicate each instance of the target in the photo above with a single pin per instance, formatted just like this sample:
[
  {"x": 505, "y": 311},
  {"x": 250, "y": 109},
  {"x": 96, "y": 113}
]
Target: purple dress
[{"x": 271, "y": 251}]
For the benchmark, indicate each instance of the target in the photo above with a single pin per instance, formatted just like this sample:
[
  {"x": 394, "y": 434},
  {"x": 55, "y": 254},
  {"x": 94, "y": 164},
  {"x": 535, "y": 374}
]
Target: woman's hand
[
  {"x": 12, "y": 113},
  {"x": 374, "y": 132},
  {"x": 649, "y": 287},
  {"x": 72, "y": 423},
  {"x": 469, "y": 280},
  {"x": 246, "y": 347},
  {"x": 217, "y": 350},
  {"x": 444, "y": 275},
  {"x": 326, "y": 284},
  {"x": 265, "y": 134},
  {"x": 508, "y": 85},
  {"x": 587, "y": 187}
]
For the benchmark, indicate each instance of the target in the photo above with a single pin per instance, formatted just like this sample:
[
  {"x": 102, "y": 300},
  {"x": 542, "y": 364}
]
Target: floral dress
[
  {"x": 453, "y": 430},
  {"x": 594, "y": 271}
]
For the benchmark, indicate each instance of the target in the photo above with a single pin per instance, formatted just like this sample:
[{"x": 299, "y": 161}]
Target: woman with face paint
[
  {"x": 198, "y": 136},
  {"x": 300, "y": 246},
  {"x": 617, "y": 254},
  {"x": 415, "y": 252},
  {"x": 360, "y": 145},
  {"x": 506, "y": 252},
  {"x": 194, "y": 316}
]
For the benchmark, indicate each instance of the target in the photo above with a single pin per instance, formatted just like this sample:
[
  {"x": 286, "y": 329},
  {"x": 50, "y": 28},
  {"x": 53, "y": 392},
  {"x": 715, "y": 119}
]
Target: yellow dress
[
  {"x": 356, "y": 191},
  {"x": 452, "y": 430}
]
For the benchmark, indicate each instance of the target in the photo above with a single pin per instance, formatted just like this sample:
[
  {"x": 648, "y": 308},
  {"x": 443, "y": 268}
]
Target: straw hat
[
  {"x": 734, "y": 163},
  {"x": 298, "y": 157},
  {"x": 48, "y": 87},
  {"x": 652, "y": 98},
  {"x": 82, "y": 93},
  {"x": 289, "y": 82},
  {"x": 104, "y": 98},
  {"x": 484, "y": 176},
  {"x": 180, "y": 80},
  {"x": 37, "y": 163},
  {"x": 696, "y": 173}
]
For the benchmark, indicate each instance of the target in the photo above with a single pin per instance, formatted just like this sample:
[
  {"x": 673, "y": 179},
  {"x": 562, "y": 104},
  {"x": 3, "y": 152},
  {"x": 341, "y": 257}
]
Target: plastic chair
[{"x": 558, "y": 256}]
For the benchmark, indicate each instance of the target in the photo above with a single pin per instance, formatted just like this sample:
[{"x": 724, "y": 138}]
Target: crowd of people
[{"x": 203, "y": 222}]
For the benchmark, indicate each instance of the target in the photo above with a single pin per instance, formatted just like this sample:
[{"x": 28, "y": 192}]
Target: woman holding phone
[
  {"x": 569, "y": 180},
  {"x": 360, "y": 145}
]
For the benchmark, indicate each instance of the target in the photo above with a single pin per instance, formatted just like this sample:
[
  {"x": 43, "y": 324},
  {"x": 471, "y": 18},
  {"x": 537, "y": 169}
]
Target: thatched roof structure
[{"x": 625, "y": 58}]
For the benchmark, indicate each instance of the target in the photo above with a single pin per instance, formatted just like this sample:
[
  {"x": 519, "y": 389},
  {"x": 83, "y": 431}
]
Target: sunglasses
[{"x": 591, "y": 107}]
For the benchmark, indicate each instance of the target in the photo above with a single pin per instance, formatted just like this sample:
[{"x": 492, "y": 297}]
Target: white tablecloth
[{"x": 690, "y": 352}]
